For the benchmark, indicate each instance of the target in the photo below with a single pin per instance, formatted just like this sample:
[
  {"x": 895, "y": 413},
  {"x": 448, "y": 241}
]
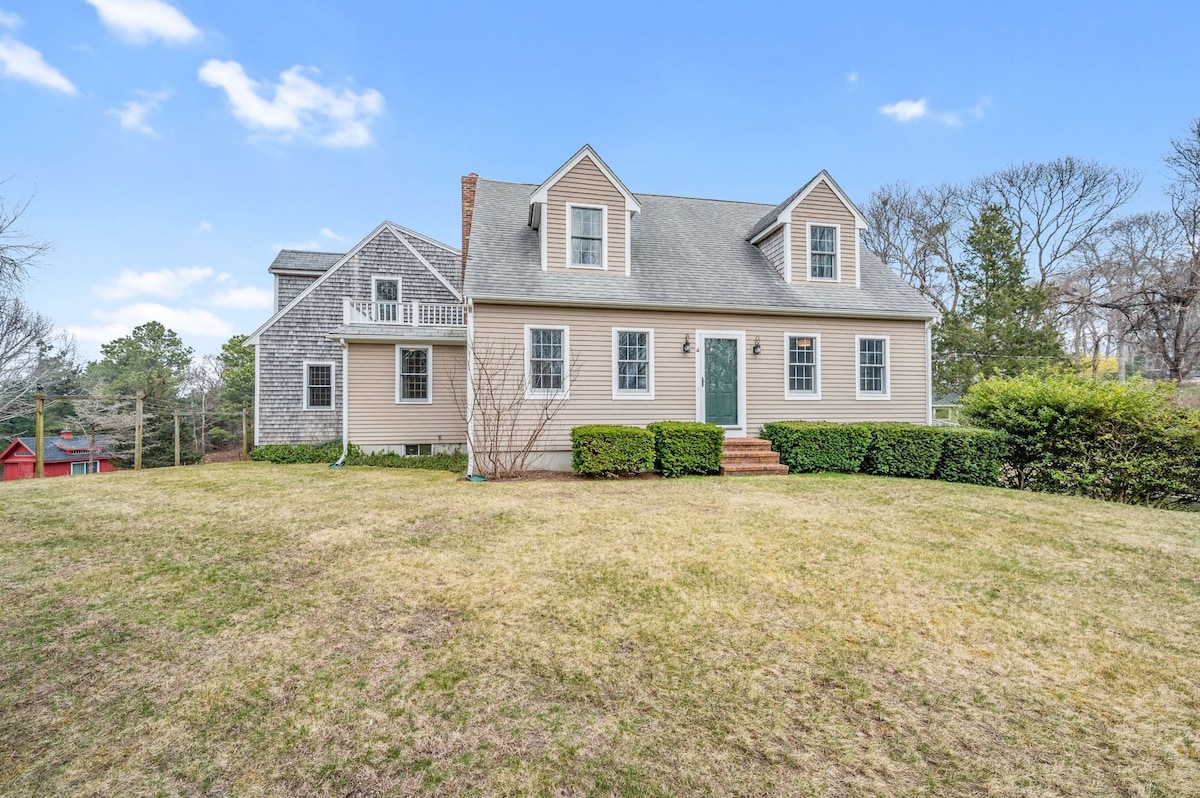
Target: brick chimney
[
  {"x": 66, "y": 435},
  {"x": 468, "y": 213}
]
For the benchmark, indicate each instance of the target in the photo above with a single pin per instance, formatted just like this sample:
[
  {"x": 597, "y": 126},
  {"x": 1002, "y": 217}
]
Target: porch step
[{"x": 749, "y": 456}]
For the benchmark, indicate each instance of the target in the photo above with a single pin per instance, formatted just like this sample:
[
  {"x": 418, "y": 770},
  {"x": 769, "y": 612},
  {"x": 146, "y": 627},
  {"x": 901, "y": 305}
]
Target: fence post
[
  {"x": 39, "y": 433},
  {"x": 177, "y": 439},
  {"x": 137, "y": 445},
  {"x": 246, "y": 436}
]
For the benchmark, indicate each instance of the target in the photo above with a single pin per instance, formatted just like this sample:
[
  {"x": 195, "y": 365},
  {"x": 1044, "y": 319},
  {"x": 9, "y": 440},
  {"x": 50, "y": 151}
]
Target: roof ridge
[
  {"x": 703, "y": 199},
  {"x": 312, "y": 251}
]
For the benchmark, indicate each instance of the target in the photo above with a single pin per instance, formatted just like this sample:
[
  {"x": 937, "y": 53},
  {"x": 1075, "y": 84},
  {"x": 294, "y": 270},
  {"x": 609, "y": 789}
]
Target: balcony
[{"x": 402, "y": 314}]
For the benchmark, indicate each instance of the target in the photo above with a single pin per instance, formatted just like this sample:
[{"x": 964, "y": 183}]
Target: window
[
  {"x": 413, "y": 367},
  {"x": 546, "y": 362},
  {"x": 416, "y": 449},
  {"x": 803, "y": 379},
  {"x": 587, "y": 236},
  {"x": 633, "y": 364},
  {"x": 318, "y": 386},
  {"x": 385, "y": 291},
  {"x": 822, "y": 252},
  {"x": 872, "y": 368},
  {"x": 85, "y": 467}
]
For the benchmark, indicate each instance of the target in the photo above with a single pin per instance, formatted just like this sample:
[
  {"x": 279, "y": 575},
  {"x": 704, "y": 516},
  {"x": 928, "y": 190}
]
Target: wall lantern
[
  {"x": 687, "y": 343},
  {"x": 757, "y": 346}
]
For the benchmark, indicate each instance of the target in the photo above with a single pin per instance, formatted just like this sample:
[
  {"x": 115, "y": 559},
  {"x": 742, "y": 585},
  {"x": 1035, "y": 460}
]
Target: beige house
[{"x": 603, "y": 306}]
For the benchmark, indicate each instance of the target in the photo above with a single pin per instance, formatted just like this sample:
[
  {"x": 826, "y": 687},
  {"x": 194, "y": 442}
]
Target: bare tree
[
  {"x": 109, "y": 426},
  {"x": 18, "y": 252},
  {"x": 31, "y": 354},
  {"x": 505, "y": 427}
]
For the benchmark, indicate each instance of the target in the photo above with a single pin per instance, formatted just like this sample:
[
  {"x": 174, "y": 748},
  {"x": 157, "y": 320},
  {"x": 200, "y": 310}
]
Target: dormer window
[
  {"x": 587, "y": 236},
  {"x": 822, "y": 252}
]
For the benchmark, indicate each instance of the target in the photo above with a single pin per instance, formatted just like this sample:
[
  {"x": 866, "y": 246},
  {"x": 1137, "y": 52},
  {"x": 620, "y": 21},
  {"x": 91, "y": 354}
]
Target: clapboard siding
[
  {"x": 377, "y": 421},
  {"x": 590, "y": 337},
  {"x": 822, "y": 206},
  {"x": 299, "y": 335},
  {"x": 587, "y": 185}
]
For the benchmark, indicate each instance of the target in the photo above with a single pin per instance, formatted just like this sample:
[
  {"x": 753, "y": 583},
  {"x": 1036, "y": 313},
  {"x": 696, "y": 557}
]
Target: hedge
[
  {"x": 611, "y": 450},
  {"x": 687, "y": 447},
  {"x": 330, "y": 451},
  {"x": 903, "y": 450},
  {"x": 971, "y": 455},
  {"x": 455, "y": 461},
  {"x": 819, "y": 445},
  {"x": 289, "y": 453}
]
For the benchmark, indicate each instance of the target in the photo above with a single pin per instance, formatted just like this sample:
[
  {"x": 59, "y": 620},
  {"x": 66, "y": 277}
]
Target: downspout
[
  {"x": 470, "y": 308},
  {"x": 345, "y": 405},
  {"x": 929, "y": 373}
]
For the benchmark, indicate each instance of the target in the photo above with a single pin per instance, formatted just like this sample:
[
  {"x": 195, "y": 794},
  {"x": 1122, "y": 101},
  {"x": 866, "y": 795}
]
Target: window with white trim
[
  {"x": 872, "y": 366},
  {"x": 318, "y": 386},
  {"x": 414, "y": 364},
  {"x": 802, "y": 377},
  {"x": 385, "y": 292},
  {"x": 546, "y": 349},
  {"x": 587, "y": 236},
  {"x": 632, "y": 362},
  {"x": 85, "y": 467},
  {"x": 822, "y": 252}
]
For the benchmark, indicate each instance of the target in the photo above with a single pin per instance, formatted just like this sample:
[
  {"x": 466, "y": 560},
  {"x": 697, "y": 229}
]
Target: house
[
  {"x": 64, "y": 455},
  {"x": 617, "y": 307}
]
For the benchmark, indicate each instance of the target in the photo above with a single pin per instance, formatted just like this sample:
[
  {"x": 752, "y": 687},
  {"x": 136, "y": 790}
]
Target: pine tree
[{"x": 1002, "y": 325}]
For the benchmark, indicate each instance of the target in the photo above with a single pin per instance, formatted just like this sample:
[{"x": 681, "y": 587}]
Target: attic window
[
  {"x": 822, "y": 252},
  {"x": 587, "y": 236}
]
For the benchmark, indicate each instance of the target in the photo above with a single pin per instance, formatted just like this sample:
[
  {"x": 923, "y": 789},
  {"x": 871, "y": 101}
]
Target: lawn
[{"x": 250, "y": 629}]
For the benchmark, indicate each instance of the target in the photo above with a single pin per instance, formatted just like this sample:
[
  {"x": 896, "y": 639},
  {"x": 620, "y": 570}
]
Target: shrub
[
  {"x": 610, "y": 450},
  {"x": 971, "y": 455},
  {"x": 902, "y": 450},
  {"x": 818, "y": 445},
  {"x": 455, "y": 461},
  {"x": 289, "y": 453},
  {"x": 687, "y": 447},
  {"x": 1123, "y": 442}
]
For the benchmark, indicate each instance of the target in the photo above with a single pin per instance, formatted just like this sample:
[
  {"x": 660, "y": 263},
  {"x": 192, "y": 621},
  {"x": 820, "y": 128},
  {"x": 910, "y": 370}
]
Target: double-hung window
[
  {"x": 633, "y": 364},
  {"x": 873, "y": 368},
  {"x": 803, "y": 357},
  {"x": 318, "y": 386},
  {"x": 414, "y": 364},
  {"x": 386, "y": 295},
  {"x": 822, "y": 252},
  {"x": 587, "y": 236},
  {"x": 546, "y": 353}
]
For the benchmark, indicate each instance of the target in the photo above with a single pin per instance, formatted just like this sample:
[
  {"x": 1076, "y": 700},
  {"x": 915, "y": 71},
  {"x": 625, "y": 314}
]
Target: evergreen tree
[
  {"x": 1002, "y": 325},
  {"x": 237, "y": 375}
]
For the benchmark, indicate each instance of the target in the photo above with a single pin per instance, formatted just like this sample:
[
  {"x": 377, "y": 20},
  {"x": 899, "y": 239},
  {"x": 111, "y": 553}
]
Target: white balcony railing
[{"x": 411, "y": 314}]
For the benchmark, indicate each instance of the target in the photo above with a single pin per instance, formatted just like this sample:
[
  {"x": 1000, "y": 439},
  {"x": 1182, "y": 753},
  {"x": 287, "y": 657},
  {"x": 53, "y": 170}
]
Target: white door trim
[{"x": 739, "y": 336}]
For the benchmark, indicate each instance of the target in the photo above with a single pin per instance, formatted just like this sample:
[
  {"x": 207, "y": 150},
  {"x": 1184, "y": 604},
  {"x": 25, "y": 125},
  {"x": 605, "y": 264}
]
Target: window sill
[
  {"x": 873, "y": 397},
  {"x": 547, "y": 396},
  {"x": 802, "y": 397},
  {"x": 642, "y": 396}
]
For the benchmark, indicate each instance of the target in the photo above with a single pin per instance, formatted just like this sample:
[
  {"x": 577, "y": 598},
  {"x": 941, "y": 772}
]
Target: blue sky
[{"x": 172, "y": 148}]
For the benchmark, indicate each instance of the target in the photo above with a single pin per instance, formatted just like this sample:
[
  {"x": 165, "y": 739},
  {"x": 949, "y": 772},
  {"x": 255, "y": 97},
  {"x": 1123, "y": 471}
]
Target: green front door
[{"x": 721, "y": 381}]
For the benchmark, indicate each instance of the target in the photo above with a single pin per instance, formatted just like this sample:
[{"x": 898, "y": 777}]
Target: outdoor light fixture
[
  {"x": 757, "y": 346},
  {"x": 687, "y": 343}
]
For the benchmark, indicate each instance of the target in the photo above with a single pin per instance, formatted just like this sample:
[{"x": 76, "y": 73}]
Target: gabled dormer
[
  {"x": 813, "y": 235},
  {"x": 582, "y": 214}
]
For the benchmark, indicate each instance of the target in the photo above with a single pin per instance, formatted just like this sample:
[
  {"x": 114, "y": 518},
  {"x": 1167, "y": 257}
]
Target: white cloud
[
  {"x": 22, "y": 62},
  {"x": 905, "y": 110},
  {"x": 8, "y": 19},
  {"x": 122, "y": 320},
  {"x": 247, "y": 297},
  {"x": 851, "y": 77},
  {"x": 297, "y": 105},
  {"x": 164, "y": 283},
  {"x": 138, "y": 21},
  {"x": 327, "y": 233},
  {"x": 132, "y": 115},
  {"x": 203, "y": 227}
]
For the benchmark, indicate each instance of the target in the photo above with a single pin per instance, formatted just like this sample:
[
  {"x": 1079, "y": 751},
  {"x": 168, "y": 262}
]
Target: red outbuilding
[{"x": 65, "y": 455}]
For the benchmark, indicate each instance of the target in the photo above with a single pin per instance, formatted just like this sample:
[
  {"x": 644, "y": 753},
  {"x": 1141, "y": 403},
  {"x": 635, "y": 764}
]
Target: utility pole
[
  {"x": 39, "y": 433},
  {"x": 177, "y": 439},
  {"x": 245, "y": 436},
  {"x": 137, "y": 446}
]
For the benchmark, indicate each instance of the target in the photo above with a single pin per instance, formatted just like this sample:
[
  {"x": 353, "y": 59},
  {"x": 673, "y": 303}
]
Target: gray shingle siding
[
  {"x": 288, "y": 288},
  {"x": 299, "y": 335}
]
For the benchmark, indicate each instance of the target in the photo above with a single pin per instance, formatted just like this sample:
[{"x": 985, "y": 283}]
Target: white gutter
[
  {"x": 755, "y": 310},
  {"x": 470, "y": 388},
  {"x": 929, "y": 373}
]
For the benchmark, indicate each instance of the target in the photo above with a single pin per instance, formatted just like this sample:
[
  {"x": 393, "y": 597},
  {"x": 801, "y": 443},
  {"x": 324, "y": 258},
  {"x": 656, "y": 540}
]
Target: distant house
[{"x": 65, "y": 455}]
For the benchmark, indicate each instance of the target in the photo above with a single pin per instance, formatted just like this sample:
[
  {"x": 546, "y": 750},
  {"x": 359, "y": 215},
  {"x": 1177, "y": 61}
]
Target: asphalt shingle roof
[
  {"x": 56, "y": 449},
  {"x": 304, "y": 261},
  {"x": 686, "y": 253}
]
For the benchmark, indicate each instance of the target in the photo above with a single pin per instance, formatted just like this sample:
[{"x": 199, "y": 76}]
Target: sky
[{"x": 170, "y": 149}]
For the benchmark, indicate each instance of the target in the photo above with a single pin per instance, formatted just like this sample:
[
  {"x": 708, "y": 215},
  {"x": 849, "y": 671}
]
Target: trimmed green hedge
[
  {"x": 971, "y": 455},
  {"x": 330, "y": 451},
  {"x": 289, "y": 453},
  {"x": 819, "y": 445},
  {"x": 903, "y": 450},
  {"x": 610, "y": 450},
  {"x": 687, "y": 447},
  {"x": 455, "y": 461}
]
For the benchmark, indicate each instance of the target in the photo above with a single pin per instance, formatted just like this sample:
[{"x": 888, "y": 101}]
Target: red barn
[{"x": 65, "y": 455}]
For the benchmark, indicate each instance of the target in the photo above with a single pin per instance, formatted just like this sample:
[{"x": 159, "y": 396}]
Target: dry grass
[{"x": 247, "y": 629}]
